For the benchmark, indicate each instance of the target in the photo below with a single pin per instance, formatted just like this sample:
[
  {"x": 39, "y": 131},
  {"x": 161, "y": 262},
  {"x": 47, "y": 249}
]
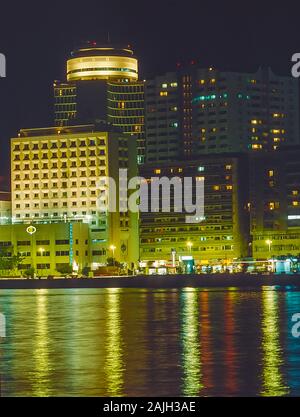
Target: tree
[
  {"x": 112, "y": 262},
  {"x": 29, "y": 273},
  {"x": 85, "y": 271},
  {"x": 65, "y": 269},
  {"x": 8, "y": 260}
]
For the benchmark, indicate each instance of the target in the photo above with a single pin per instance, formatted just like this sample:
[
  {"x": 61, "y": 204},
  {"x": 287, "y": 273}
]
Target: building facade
[
  {"x": 275, "y": 203},
  {"x": 221, "y": 236},
  {"x": 197, "y": 111},
  {"x": 48, "y": 248},
  {"x": 58, "y": 175}
]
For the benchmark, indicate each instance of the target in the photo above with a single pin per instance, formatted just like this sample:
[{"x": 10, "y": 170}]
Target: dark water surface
[{"x": 135, "y": 342}]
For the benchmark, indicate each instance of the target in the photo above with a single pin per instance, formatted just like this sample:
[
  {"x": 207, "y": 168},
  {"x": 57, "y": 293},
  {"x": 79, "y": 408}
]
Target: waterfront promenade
[{"x": 156, "y": 281}]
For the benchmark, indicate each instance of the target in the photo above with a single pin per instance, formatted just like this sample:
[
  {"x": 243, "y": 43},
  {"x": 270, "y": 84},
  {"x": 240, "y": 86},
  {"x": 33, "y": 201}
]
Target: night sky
[{"x": 36, "y": 38}]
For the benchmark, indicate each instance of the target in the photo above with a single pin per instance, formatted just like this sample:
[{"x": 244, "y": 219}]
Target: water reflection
[
  {"x": 230, "y": 358},
  {"x": 118, "y": 342},
  {"x": 273, "y": 383},
  {"x": 206, "y": 340},
  {"x": 114, "y": 365},
  {"x": 191, "y": 357},
  {"x": 40, "y": 375},
  {"x": 293, "y": 344}
]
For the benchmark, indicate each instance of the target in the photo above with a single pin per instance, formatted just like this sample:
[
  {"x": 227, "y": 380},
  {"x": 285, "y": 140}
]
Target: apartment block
[{"x": 221, "y": 236}]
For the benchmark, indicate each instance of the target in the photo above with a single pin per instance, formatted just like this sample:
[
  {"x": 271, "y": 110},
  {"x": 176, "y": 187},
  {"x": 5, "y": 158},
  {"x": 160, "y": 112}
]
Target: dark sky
[{"x": 37, "y": 37}]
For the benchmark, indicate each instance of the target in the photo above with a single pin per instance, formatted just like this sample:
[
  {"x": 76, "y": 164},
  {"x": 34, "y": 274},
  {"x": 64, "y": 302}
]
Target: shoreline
[{"x": 157, "y": 281}]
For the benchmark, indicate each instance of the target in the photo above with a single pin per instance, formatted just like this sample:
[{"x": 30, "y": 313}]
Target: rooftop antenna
[{"x": 108, "y": 37}]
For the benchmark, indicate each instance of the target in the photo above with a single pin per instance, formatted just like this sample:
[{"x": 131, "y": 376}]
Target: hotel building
[
  {"x": 57, "y": 177},
  {"x": 102, "y": 84},
  {"x": 197, "y": 111}
]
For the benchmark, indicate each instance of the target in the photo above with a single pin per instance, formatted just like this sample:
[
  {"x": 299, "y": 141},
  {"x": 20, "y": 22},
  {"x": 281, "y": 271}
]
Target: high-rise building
[
  {"x": 197, "y": 111},
  {"x": 57, "y": 177},
  {"x": 221, "y": 236},
  {"x": 163, "y": 113},
  {"x": 275, "y": 203},
  {"x": 102, "y": 84}
]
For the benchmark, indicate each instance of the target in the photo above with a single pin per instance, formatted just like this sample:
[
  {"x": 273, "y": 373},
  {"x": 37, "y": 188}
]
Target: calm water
[{"x": 129, "y": 342}]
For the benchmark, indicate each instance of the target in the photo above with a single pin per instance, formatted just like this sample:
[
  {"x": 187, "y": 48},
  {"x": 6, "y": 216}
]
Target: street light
[
  {"x": 269, "y": 243},
  {"x": 113, "y": 248},
  {"x": 189, "y": 245}
]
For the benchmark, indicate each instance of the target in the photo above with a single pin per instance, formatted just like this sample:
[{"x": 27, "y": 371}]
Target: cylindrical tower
[{"x": 105, "y": 62}]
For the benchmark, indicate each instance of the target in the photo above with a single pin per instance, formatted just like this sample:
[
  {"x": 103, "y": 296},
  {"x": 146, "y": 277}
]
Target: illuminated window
[
  {"x": 163, "y": 93},
  {"x": 295, "y": 192},
  {"x": 271, "y": 173},
  {"x": 164, "y": 85},
  {"x": 202, "y": 82},
  {"x": 295, "y": 203},
  {"x": 228, "y": 167},
  {"x": 157, "y": 171},
  {"x": 200, "y": 169},
  {"x": 213, "y": 80},
  {"x": 229, "y": 187},
  {"x": 271, "y": 206},
  {"x": 216, "y": 187},
  {"x": 173, "y": 85}
]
